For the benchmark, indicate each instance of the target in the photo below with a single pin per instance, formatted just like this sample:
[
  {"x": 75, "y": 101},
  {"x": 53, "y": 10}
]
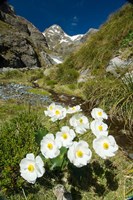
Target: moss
[{"x": 39, "y": 91}]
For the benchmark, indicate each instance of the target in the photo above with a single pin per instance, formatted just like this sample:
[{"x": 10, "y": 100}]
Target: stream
[{"x": 22, "y": 93}]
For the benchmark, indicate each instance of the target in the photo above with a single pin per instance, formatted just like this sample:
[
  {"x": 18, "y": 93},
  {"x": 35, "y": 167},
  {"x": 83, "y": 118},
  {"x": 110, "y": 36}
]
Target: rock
[
  {"x": 22, "y": 45},
  {"x": 130, "y": 155},
  {"x": 61, "y": 193},
  {"x": 84, "y": 76},
  {"x": 116, "y": 64},
  {"x": 128, "y": 78}
]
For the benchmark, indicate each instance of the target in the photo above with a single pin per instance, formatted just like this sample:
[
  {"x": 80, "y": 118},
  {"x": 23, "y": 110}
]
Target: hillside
[
  {"x": 105, "y": 44},
  {"x": 84, "y": 73}
]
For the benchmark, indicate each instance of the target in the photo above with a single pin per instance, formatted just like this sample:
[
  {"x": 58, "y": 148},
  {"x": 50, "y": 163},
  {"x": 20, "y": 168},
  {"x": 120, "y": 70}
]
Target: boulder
[{"x": 117, "y": 64}]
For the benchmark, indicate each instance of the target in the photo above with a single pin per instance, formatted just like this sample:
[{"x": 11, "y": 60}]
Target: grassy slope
[
  {"x": 96, "y": 53},
  {"x": 103, "y": 89}
]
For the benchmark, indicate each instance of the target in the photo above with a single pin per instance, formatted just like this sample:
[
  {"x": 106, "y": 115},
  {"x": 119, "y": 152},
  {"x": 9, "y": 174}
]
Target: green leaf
[
  {"x": 40, "y": 134},
  {"x": 60, "y": 161}
]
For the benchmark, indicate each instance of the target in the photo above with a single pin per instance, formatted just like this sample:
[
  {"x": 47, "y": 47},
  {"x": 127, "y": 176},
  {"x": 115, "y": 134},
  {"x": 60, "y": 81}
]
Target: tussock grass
[
  {"x": 101, "y": 46},
  {"x": 21, "y": 76},
  {"x": 113, "y": 96}
]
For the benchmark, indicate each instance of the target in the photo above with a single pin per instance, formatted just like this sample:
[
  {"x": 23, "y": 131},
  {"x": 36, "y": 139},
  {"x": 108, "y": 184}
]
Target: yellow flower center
[
  {"x": 31, "y": 167},
  {"x": 50, "y": 146},
  {"x": 57, "y": 112},
  {"x": 100, "y": 113},
  {"x": 100, "y": 128},
  {"x": 73, "y": 108},
  {"x": 81, "y": 121},
  {"x": 51, "y": 108},
  {"x": 79, "y": 154},
  {"x": 65, "y": 136},
  {"x": 105, "y": 145}
]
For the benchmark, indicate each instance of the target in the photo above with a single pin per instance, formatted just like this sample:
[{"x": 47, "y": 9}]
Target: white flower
[
  {"x": 65, "y": 136},
  {"x": 99, "y": 128},
  {"x": 49, "y": 111},
  {"x": 80, "y": 123},
  {"x": 56, "y": 112},
  {"x": 31, "y": 168},
  {"x": 79, "y": 153},
  {"x": 49, "y": 146},
  {"x": 105, "y": 146},
  {"x": 74, "y": 109},
  {"x": 98, "y": 113}
]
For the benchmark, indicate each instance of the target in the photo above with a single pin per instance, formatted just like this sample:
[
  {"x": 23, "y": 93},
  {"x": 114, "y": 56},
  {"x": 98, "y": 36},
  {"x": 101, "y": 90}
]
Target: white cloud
[
  {"x": 74, "y": 21},
  {"x": 74, "y": 24}
]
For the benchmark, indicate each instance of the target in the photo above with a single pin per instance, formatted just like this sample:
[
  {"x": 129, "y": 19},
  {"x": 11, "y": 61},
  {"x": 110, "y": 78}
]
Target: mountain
[
  {"x": 62, "y": 44},
  {"x": 21, "y": 43}
]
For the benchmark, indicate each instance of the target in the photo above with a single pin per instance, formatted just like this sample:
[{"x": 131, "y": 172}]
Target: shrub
[
  {"x": 67, "y": 75},
  {"x": 35, "y": 74},
  {"x": 16, "y": 139},
  {"x": 13, "y": 74},
  {"x": 128, "y": 39}
]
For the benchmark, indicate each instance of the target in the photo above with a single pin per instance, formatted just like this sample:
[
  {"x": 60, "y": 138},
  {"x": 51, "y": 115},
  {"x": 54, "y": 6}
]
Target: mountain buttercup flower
[
  {"x": 49, "y": 146},
  {"x": 79, "y": 122},
  {"x": 105, "y": 146},
  {"x": 98, "y": 113},
  {"x": 99, "y": 128},
  {"x": 79, "y": 153},
  {"x": 31, "y": 168},
  {"x": 65, "y": 136},
  {"x": 74, "y": 109},
  {"x": 49, "y": 111},
  {"x": 56, "y": 112}
]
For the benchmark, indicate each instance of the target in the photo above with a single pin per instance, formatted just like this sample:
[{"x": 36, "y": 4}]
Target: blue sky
[{"x": 74, "y": 16}]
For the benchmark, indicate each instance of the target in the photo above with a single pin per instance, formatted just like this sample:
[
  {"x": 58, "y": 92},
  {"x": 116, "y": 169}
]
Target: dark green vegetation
[{"x": 16, "y": 139}]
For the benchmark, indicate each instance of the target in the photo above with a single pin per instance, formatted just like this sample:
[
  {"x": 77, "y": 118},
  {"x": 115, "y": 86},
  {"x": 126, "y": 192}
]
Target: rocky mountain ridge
[{"x": 63, "y": 44}]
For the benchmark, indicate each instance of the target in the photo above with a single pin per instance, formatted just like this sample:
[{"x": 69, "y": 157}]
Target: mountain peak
[{"x": 60, "y": 42}]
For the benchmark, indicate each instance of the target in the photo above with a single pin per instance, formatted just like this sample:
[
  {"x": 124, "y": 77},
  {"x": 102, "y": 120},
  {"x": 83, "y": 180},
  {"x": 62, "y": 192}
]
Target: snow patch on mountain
[
  {"x": 56, "y": 59},
  {"x": 62, "y": 44}
]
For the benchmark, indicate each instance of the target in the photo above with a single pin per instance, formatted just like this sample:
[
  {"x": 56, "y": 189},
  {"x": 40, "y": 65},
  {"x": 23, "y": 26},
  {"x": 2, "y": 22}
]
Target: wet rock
[{"x": 20, "y": 92}]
